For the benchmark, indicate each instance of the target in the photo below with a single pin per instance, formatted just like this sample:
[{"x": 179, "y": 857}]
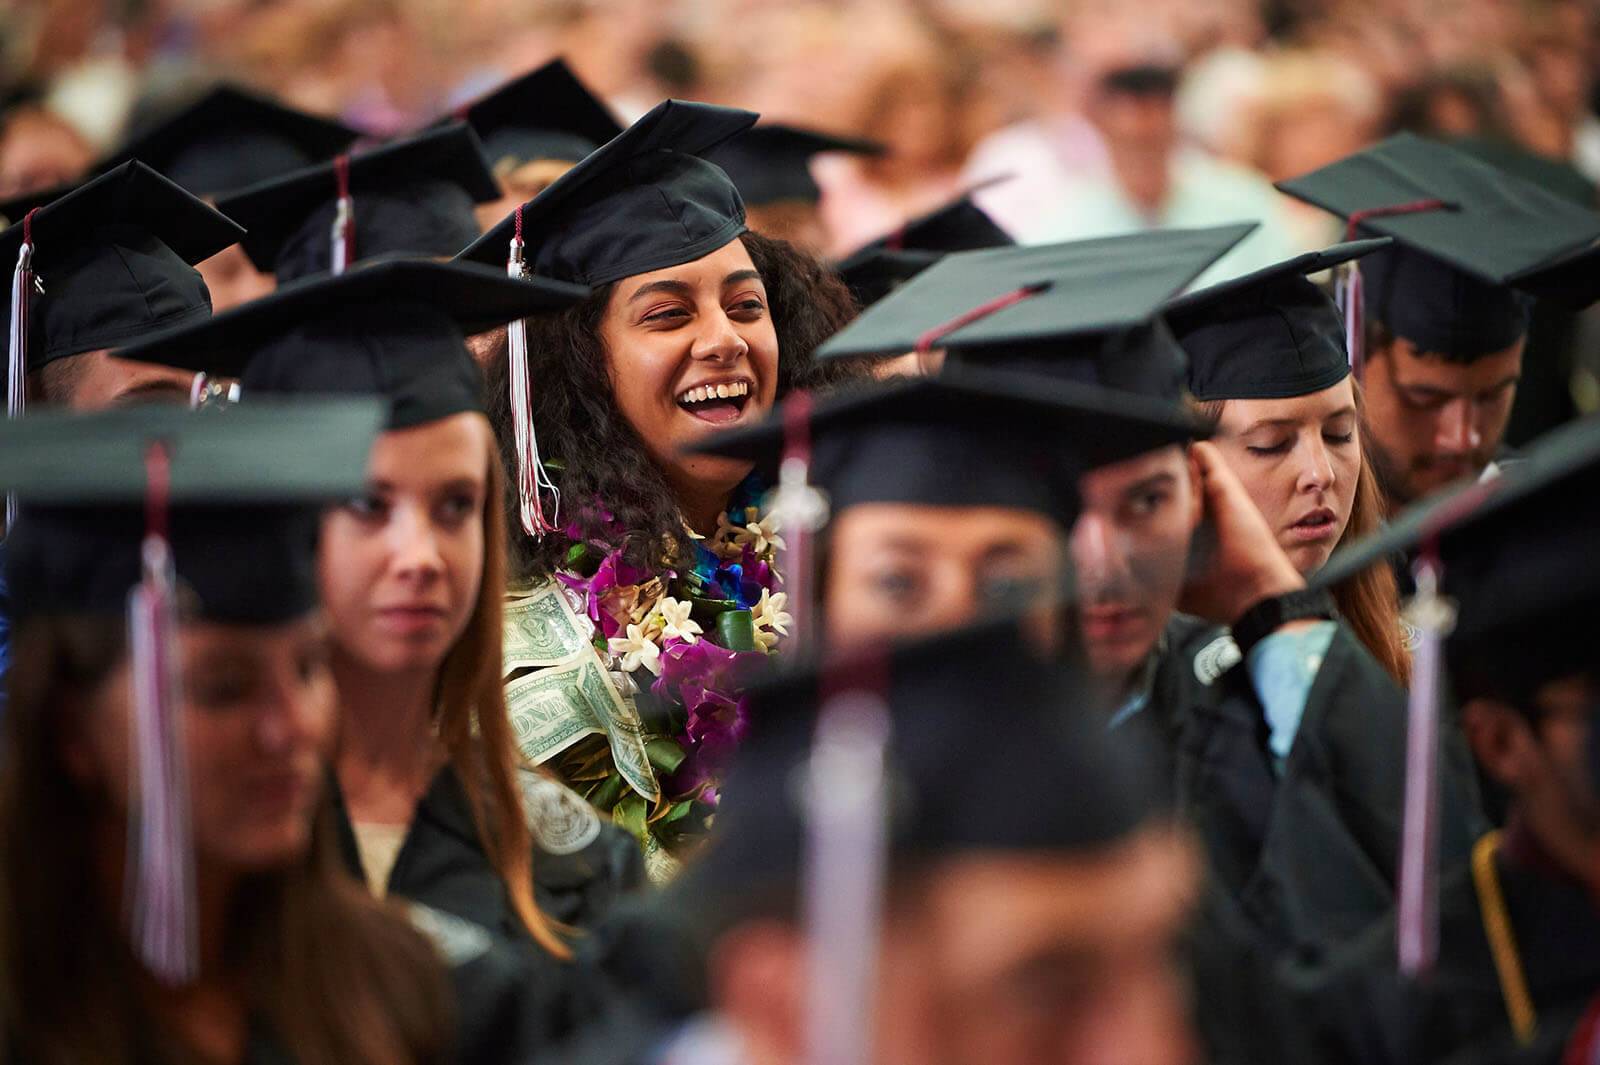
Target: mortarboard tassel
[
  {"x": 846, "y": 866},
  {"x": 161, "y": 890},
  {"x": 801, "y": 510},
  {"x": 931, "y": 339},
  {"x": 533, "y": 480},
  {"x": 1433, "y": 615},
  {"x": 22, "y": 280},
  {"x": 1349, "y": 291},
  {"x": 344, "y": 218}
]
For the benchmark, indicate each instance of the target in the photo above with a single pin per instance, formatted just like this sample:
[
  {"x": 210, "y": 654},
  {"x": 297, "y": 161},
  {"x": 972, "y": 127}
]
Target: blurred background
[{"x": 1100, "y": 115}]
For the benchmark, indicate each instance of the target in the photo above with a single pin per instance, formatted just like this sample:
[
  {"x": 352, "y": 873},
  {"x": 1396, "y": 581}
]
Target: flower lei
[{"x": 689, "y": 643}]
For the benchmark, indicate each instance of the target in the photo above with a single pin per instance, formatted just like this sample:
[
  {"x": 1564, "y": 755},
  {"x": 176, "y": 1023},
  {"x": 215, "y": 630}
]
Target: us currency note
[
  {"x": 542, "y": 629},
  {"x": 553, "y": 708}
]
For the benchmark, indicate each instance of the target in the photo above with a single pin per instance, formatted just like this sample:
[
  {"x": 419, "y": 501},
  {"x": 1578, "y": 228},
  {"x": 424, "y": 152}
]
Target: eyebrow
[
  {"x": 741, "y": 275},
  {"x": 683, "y": 288},
  {"x": 1155, "y": 480},
  {"x": 158, "y": 390},
  {"x": 1273, "y": 423}
]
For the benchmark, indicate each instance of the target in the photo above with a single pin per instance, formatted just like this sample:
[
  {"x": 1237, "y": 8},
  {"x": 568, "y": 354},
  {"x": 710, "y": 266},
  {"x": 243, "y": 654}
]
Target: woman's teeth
[{"x": 735, "y": 390}]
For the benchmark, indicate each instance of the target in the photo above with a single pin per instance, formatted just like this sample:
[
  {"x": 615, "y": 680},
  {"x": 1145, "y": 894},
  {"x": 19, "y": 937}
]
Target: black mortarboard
[
  {"x": 410, "y": 197},
  {"x": 1066, "y": 785},
  {"x": 1270, "y": 334},
  {"x": 13, "y": 208},
  {"x": 770, "y": 164},
  {"x": 230, "y": 138},
  {"x": 243, "y": 495},
  {"x": 113, "y": 261},
  {"x": 545, "y": 114},
  {"x": 1083, "y": 311},
  {"x": 1472, "y": 243},
  {"x": 645, "y": 201},
  {"x": 1517, "y": 554},
  {"x": 395, "y": 329},
  {"x": 875, "y": 269},
  {"x": 968, "y": 438}
]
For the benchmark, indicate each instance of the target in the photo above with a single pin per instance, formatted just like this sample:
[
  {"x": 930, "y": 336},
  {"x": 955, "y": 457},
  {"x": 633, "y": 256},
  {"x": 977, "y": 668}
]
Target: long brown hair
[
  {"x": 1369, "y": 602},
  {"x": 337, "y": 976},
  {"x": 476, "y": 727}
]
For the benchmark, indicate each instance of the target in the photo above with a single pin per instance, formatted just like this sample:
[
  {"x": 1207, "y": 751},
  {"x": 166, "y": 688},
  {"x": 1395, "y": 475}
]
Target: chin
[
  {"x": 1112, "y": 662},
  {"x": 1308, "y": 558},
  {"x": 266, "y": 848}
]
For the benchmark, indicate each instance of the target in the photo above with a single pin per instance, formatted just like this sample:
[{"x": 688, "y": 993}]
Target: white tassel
[
  {"x": 22, "y": 281},
  {"x": 533, "y": 480}
]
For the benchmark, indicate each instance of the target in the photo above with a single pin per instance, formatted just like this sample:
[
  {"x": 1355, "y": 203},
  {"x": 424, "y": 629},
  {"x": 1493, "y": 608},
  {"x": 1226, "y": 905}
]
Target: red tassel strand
[{"x": 534, "y": 482}]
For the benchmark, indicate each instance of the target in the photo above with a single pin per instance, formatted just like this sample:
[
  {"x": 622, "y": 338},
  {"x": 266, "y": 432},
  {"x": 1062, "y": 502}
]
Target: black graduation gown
[
  {"x": 1460, "y": 1013},
  {"x": 442, "y": 864},
  {"x": 1310, "y": 854}
]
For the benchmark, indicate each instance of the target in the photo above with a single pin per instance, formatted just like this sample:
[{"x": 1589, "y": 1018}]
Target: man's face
[
  {"x": 96, "y": 381},
  {"x": 1431, "y": 421},
  {"x": 1130, "y": 552}
]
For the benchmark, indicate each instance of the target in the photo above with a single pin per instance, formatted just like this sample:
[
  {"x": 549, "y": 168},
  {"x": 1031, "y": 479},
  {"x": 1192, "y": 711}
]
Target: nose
[
  {"x": 1316, "y": 467},
  {"x": 1457, "y": 431},
  {"x": 1098, "y": 556},
  {"x": 414, "y": 544},
  {"x": 718, "y": 341},
  {"x": 293, "y": 708}
]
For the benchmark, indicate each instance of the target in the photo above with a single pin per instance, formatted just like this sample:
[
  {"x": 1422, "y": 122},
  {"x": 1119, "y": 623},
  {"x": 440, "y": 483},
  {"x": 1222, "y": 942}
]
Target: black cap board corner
[
  {"x": 772, "y": 163},
  {"x": 547, "y": 113}
]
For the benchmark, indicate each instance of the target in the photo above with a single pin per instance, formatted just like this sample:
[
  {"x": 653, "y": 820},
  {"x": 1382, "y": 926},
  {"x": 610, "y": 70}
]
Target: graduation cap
[
  {"x": 645, "y": 201},
  {"x": 231, "y": 137},
  {"x": 968, "y": 438},
  {"x": 13, "y": 208},
  {"x": 1472, "y": 243},
  {"x": 410, "y": 197},
  {"x": 1064, "y": 783},
  {"x": 1270, "y": 334},
  {"x": 395, "y": 329},
  {"x": 105, "y": 264},
  {"x": 771, "y": 164},
  {"x": 545, "y": 114},
  {"x": 878, "y": 267},
  {"x": 1083, "y": 311},
  {"x": 128, "y": 512}
]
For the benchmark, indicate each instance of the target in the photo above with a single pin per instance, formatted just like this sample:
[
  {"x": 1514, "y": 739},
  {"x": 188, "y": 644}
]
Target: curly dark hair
[{"x": 597, "y": 454}]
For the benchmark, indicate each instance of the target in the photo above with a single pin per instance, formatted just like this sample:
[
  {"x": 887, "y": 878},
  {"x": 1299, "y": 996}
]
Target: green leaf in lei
[
  {"x": 609, "y": 791},
  {"x": 630, "y": 814},
  {"x": 736, "y": 630},
  {"x": 664, "y": 754}
]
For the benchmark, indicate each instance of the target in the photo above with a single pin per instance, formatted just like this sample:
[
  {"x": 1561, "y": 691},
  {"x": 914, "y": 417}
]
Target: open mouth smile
[{"x": 717, "y": 402}]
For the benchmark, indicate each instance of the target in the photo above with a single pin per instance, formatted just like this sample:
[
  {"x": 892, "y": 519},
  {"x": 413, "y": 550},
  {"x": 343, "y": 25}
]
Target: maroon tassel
[
  {"x": 801, "y": 510},
  {"x": 533, "y": 480},
  {"x": 161, "y": 891},
  {"x": 930, "y": 339},
  {"x": 344, "y": 218}
]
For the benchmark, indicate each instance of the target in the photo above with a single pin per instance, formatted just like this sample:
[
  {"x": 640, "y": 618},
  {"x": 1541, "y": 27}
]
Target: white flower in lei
[
  {"x": 761, "y": 534},
  {"x": 635, "y": 650},
  {"x": 771, "y": 620},
  {"x": 675, "y": 620}
]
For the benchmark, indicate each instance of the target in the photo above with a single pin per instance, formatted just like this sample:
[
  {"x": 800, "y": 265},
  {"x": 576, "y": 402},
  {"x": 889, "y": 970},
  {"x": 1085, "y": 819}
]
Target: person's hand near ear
[{"x": 1243, "y": 564}]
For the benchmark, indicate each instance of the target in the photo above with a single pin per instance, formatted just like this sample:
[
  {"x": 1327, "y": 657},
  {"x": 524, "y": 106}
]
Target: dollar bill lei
[{"x": 677, "y": 648}]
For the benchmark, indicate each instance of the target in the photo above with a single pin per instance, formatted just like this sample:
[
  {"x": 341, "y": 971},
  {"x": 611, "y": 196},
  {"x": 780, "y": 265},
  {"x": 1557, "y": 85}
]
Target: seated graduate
[
  {"x": 1447, "y": 306},
  {"x": 171, "y": 892},
  {"x": 1269, "y": 368},
  {"x": 533, "y": 129},
  {"x": 1517, "y": 970},
  {"x": 949, "y": 498},
  {"x": 436, "y": 805},
  {"x": 880, "y": 266},
  {"x": 931, "y": 852},
  {"x": 1285, "y": 759},
  {"x": 414, "y": 196},
  {"x": 661, "y": 561}
]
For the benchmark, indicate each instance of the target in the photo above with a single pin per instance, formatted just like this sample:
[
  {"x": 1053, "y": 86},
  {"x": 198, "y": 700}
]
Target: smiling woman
[{"x": 659, "y": 567}]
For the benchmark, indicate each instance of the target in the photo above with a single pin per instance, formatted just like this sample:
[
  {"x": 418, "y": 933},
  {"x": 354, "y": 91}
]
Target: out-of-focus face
[
  {"x": 401, "y": 567},
  {"x": 1430, "y": 421},
  {"x": 233, "y": 280},
  {"x": 258, "y": 716},
  {"x": 1299, "y": 459},
  {"x": 96, "y": 380},
  {"x": 38, "y": 151},
  {"x": 1130, "y": 551},
  {"x": 796, "y": 221},
  {"x": 1003, "y": 959},
  {"x": 692, "y": 351},
  {"x": 897, "y": 570},
  {"x": 1138, "y": 122},
  {"x": 519, "y": 183}
]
